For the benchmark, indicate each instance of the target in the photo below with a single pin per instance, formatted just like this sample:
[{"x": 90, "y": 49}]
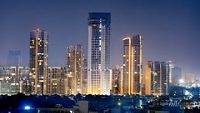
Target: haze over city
[{"x": 170, "y": 29}]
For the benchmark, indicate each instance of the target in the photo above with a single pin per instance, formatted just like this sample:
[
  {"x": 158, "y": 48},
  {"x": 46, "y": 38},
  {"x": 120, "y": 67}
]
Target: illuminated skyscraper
[
  {"x": 99, "y": 53},
  {"x": 132, "y": 65},
  {"x": 157, "y": 78},
  {"x": 39, "y": 59},
  {"x": 127, "y": 61},
  {"x": 176, "y": 75},
  {"x": 75, "y": 69}
]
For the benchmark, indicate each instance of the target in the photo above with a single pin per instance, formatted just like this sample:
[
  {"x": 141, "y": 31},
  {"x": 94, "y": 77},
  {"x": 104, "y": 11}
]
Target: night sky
[{"x": 170, "y": 28}]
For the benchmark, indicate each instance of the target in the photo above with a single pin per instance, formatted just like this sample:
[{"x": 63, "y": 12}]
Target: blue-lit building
[
  {"x": 39, "y": 60},
  {"x": 99, "y": 53}
]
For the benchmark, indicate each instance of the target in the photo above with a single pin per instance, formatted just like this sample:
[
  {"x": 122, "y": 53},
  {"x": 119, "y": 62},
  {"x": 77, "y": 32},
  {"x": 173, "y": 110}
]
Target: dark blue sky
[{"x": 170, "y": 28}]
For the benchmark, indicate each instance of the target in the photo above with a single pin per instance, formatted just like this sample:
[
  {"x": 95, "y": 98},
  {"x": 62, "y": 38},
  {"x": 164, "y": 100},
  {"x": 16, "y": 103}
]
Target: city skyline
[
  {"x": 176, "y": 23},
  {"x": 106, "y": 56}
]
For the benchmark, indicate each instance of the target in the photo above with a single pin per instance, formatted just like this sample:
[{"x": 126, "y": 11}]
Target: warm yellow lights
[
  {"x": 132, "y": 58},
  {"x": 38, "y": 47}
]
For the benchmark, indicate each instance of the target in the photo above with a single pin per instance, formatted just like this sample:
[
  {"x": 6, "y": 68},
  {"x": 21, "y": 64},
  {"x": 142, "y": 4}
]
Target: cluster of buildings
[{"x": 92, "y": 74}]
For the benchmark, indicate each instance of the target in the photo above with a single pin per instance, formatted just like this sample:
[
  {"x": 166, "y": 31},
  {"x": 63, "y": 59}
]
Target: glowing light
[
  {"x": 119, "y": 103},
  {"x": 27, "y": 107},
  {"x": 181, "y": 81},
  {"x": 187, "y": 93}
]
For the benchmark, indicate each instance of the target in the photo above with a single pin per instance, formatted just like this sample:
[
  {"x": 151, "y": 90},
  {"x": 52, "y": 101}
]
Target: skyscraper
[
  {"x": 157, "y": 78},
  {"x": 99, "y": 53},
  {"x": 176, "y": 75},
  {"x": 75, "y": 69},
  {"x": 39, "y": 59},
  {"x": 127, "y": 61},
  {"x": 132, "y": 65}
]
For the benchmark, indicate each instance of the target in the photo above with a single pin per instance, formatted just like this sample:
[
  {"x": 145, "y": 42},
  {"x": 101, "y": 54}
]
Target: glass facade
[
  {"x": 127, "y": 63},
  {"x": 132, "y": 65},
  {"x": 157, "y": 78},
  {"x": 56, "y": 80},
  {"x": 75, "y": 69},
  {"x": 137, "y": 55},
  {"x": 39, "y": 59},
  {"x": 99, "y": 53}
]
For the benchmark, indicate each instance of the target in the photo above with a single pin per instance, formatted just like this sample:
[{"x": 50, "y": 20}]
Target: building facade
[
  {"x": 176, "y": 75},
  {"x": 157, "y": 78},
  {"x": 13, "y": 79},
  {"x": 56, "y": 80},
  {"x": 75, "y": 69},
  {"x": 39, "y": 60},
  {"x": 132, "y": 65},
  {"x": 99, "y": 25},
  {"x": 84, "y": 85},
  {"x": 116, "y": 80}
]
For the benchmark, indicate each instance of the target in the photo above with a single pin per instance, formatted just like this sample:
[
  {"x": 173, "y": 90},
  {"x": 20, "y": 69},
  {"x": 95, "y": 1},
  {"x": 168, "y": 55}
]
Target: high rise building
[
  {"x": 132, "y": 65},
  {"x": 157, "y": 78},
  {"x": 99, "y": 53},
  {"x": 175, "y": 74},
  {"x": 75, "y": 69},
  {"x": 39, "y": 60},
  {"x": 56, "y": 80},
  {"x": 171, "y": 67}
]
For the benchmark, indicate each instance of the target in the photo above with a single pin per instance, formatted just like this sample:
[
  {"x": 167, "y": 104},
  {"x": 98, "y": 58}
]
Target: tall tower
[
  {"x": 75, "y": 69},
  {"x": 132, "y": 65},
  {"x": 157, "y": 78},
  {"x": 137, "y": 67},
  {"x": 99, "y": 53},
  {"x": 127, "y": 65},
  {"x": 39, "y": 59}
]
